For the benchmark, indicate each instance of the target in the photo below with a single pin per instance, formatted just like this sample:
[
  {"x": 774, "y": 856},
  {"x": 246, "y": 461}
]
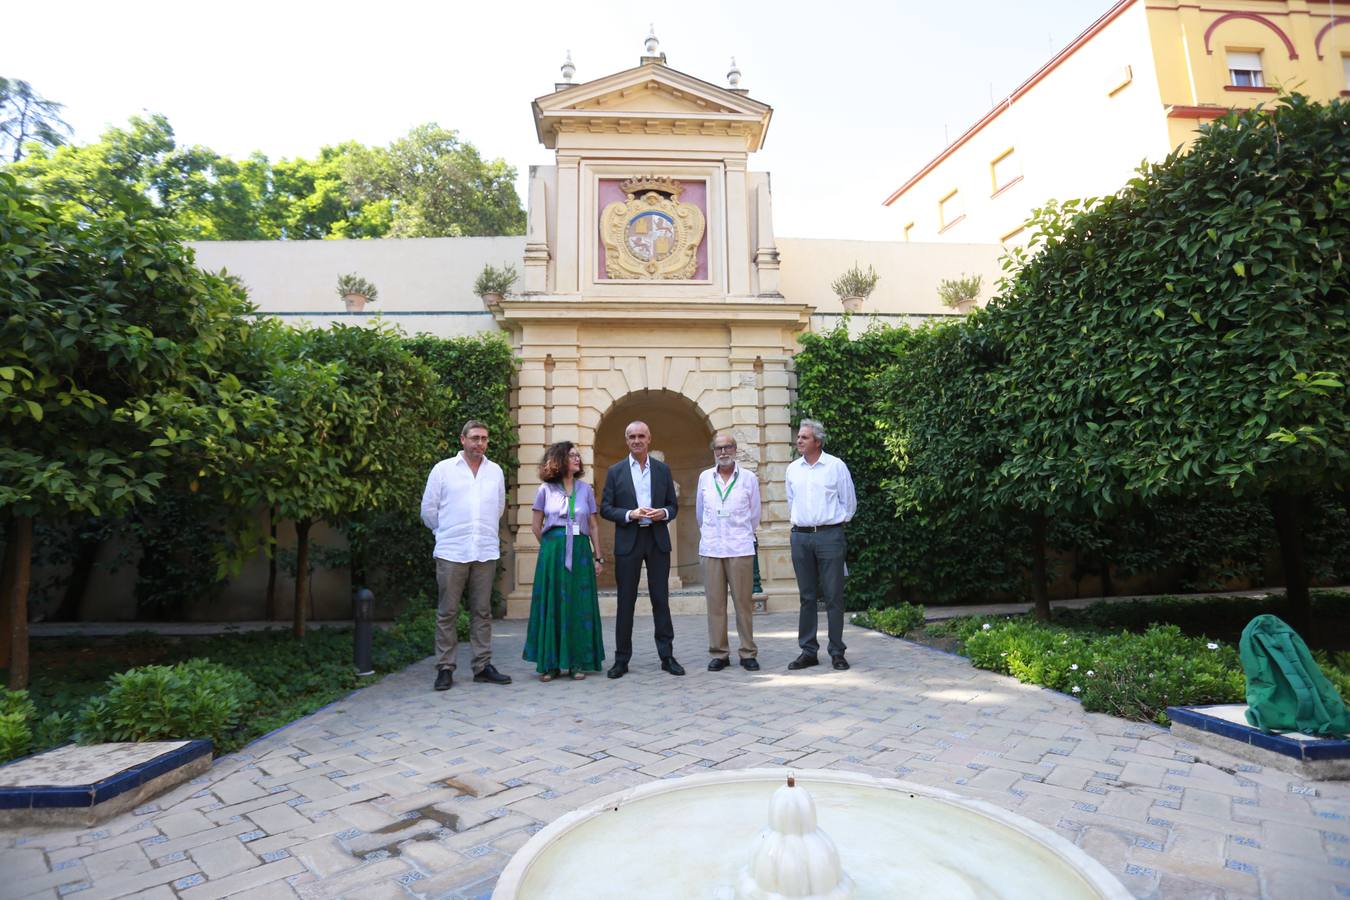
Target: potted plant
[
  {"x": 855, "y": 286},
  {"x": 356, "y": 292},
  {"x": 960, "y": 293},
  {"x": 492, "y": 283}
]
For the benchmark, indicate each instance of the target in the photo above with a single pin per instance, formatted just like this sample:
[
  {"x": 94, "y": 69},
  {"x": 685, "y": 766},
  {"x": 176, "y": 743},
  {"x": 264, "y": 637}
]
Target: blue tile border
[
  {"x": 1311, "y": 750},
  {"x": 86, "y": 796}
]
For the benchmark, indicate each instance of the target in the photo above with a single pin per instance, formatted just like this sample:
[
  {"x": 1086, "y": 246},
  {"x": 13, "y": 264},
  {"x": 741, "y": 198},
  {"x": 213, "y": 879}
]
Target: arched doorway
[{"x": 681, "y": 434}]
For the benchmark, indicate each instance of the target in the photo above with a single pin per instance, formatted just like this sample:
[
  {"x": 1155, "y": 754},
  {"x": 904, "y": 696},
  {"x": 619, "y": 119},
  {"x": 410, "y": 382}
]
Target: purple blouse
[{"x": 551, "y": 500}]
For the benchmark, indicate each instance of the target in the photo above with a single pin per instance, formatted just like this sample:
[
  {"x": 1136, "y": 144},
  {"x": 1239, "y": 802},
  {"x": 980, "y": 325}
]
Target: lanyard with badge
[
  {"x": 572, "y": 522},
  {"x": 722, "y": 511}
]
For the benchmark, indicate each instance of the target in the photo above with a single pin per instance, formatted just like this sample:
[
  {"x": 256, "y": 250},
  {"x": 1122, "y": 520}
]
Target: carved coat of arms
[{"x": 652, "y": 235}]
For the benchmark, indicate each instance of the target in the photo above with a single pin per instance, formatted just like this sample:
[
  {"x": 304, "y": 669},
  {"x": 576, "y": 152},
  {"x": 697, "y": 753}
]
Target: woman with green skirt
[{"x": 564, "y": 632}]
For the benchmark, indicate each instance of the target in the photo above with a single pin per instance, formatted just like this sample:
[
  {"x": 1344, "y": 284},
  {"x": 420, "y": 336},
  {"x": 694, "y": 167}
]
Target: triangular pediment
[{"x": 651, "y": 98}]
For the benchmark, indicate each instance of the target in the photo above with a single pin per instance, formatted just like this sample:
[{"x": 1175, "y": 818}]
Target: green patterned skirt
[{"x": 564, "y": 630}]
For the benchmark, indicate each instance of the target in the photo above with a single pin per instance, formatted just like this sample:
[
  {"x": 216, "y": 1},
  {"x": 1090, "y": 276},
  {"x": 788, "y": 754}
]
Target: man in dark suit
[{"x": 639, "y": 498}]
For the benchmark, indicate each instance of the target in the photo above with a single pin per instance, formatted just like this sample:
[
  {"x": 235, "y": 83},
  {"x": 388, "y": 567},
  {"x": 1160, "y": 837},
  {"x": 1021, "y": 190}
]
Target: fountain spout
[{"x": 792, "y": 858}]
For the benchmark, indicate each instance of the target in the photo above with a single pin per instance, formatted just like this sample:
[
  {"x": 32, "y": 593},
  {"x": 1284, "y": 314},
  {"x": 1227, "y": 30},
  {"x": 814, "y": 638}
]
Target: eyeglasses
[
  {"x": 731, "y": 449},
  {"x": 574, "y": 455}
]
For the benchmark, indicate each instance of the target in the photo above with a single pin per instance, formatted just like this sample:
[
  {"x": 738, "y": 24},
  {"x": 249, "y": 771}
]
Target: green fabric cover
[{"x": 1285, "y": 689}]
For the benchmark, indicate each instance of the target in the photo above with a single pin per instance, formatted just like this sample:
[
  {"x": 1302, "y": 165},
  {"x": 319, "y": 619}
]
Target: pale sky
[{"x": 863, "y": 92}]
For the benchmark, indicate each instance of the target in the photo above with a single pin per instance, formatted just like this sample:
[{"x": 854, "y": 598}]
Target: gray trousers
[
  {"x": 818, "y": 561},
  {"x": 451, "y": 579}
]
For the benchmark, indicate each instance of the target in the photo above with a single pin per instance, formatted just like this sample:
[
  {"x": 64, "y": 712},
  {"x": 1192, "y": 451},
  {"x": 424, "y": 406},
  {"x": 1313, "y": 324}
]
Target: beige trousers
[
  {"x": 451, "y": 578},
  {"x": 738, "y": 571}
]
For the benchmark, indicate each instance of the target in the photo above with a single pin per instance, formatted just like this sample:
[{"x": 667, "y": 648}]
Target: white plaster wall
[
  {"x": 412, "y": 274},
  {"x": 1073, "y": 139},
  {"x": 909, "y": 273},
  {"x": 426, "y": 284}
]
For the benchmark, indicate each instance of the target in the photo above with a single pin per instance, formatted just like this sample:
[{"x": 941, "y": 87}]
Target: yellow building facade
[{"x": 1134, "y": 86}]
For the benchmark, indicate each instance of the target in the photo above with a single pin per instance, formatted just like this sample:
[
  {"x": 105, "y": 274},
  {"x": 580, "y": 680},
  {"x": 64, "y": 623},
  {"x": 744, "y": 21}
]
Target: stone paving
[{"x": 398, "y": 791}]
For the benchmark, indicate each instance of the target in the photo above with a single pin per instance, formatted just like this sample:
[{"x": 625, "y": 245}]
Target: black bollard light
[{"x": 364, "y": 606}]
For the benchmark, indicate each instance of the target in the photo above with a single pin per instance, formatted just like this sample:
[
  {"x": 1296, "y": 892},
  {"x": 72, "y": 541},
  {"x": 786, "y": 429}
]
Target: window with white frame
[
  {"x": 1244, "y": 69},
  {"x": 949, "y": 210}
]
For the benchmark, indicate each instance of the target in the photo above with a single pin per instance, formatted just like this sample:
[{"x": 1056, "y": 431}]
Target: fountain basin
[{"x": 691, "y": 837}]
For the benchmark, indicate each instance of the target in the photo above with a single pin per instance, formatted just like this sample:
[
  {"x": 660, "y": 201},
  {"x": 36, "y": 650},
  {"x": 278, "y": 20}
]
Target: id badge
[
  {"x": 723, "y": 513},
  {"x": 576, "y": 529}
]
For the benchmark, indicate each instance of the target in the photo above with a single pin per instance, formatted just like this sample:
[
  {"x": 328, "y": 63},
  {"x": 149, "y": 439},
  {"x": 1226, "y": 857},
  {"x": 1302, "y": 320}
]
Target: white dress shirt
[
  {"x": 728, "y": 513},
  {"x": 642, "y": 487},
  {"x": 464, "y": 510},
  {"x": 820, "y": 494}
]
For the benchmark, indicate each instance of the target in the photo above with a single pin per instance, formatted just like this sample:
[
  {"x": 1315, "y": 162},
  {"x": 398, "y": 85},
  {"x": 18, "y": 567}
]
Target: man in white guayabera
[
  {"x": 820, "y": 500},
  {"x": 728, "y": 514},
  {"x": 463, "y": 505}
]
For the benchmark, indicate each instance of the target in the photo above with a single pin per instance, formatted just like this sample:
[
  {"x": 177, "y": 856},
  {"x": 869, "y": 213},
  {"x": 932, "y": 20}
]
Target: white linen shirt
[
  {"x": 733, "y": 534},
  {"x": 464, "y": 510},
  {"x": 821, "y": 494}
]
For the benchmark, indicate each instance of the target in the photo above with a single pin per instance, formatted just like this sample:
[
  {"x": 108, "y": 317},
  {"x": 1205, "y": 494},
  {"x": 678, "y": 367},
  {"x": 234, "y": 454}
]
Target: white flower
[
  {"x": 1065, "y": 641},
  {"x": 1091, "y": 673},
  {"x": 1076, "y": 689},
  {"x": 985, "y": 627},
  {"x": 1212, "y": 646},
  {"x": 1004, "y": 653},
  {"x": 1073, "y": 667}
]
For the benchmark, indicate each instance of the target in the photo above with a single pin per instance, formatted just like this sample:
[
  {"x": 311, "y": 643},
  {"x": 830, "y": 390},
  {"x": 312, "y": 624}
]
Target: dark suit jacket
[{"x": 620, "y": 496}]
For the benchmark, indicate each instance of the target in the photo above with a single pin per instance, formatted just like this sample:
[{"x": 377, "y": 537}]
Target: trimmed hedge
[
  {"x": 228, "y": 688},
  {"x": 1132, "y": 674}
]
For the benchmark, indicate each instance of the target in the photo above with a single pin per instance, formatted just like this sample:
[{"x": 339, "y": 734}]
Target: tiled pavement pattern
[{"x": 401, "y": 792}]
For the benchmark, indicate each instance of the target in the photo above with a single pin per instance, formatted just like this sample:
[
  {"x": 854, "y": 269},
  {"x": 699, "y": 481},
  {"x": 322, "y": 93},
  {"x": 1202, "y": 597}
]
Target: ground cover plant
[
  {"x": 230, "y": 688},
  {"x": 1131, "y": 659}
]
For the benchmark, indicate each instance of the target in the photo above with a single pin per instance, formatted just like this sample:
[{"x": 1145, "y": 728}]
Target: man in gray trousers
[{"x": 820, "y": 500}]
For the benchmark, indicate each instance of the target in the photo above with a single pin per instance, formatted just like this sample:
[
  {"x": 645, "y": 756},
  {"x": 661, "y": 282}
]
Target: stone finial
[
  {"x": 653, "y": 45},
  {"x": 734, "y": 75},
  {"x": 568, "y": 70}
]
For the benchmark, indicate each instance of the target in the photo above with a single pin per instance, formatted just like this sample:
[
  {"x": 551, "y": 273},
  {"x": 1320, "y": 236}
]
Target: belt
[{"x": 811, "y": 529}]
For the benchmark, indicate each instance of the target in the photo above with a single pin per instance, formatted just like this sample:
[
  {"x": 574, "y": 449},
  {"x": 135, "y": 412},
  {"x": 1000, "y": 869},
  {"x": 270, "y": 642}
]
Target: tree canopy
[
  {"x": 427, "y": 184},
  {"x": 26, "y": 116}
]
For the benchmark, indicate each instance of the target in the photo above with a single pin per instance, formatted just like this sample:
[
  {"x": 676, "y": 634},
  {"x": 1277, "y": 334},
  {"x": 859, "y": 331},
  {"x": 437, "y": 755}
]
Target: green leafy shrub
[
  {"x": 1029, "y": 652},
  {"x": 896, "y": 620},
  {"x": 16, "y": 732},
  {"x": 193, "y": 699},
  {"x": 1137, "y": 676}
]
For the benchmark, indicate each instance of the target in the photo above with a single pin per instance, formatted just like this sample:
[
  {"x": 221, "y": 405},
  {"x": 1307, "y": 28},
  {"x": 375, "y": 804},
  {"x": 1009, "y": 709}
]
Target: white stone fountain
[{"x": 830, "y": 836}]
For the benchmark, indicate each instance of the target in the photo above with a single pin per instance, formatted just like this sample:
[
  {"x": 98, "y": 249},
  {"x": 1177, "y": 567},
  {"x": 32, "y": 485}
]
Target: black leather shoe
[
  {"x": 445, "y": 679},
  {"x": 804, "y": 661},
  {"x": 489, "y": 675},
  {"x": 839, "y": 662},
  {"x": 669, "y": 664},
  {"x": 750, "y": 664},
  {"x": 618, "y": 670},
  {"x": 717, "y": 664}
]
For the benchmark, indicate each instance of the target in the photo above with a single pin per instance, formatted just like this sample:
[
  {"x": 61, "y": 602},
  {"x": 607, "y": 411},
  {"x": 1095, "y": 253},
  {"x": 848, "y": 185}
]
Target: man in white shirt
[
  {"x": 463, "y": 505},
  {"x": 820, "y": 500},
  {"x": 728, "y": 511}
]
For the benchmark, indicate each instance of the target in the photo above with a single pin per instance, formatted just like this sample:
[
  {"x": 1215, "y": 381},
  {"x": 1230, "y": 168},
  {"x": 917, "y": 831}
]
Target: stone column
[
  {"x": 738, "y": 230},
  {"x": 536, "y": 236},
  {"x": 546, "y": 411},
  {"x": 568, "y": 265}
]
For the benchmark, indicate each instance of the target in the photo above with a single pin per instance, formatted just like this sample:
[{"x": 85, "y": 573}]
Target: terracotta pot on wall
[{"x": 355, "y": 302}]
